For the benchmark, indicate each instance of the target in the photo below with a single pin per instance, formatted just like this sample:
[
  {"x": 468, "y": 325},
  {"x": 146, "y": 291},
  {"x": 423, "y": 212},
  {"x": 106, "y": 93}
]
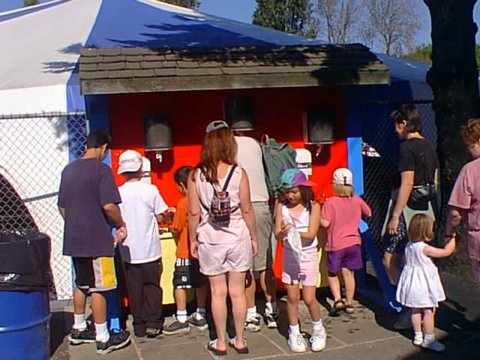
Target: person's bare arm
[
  {"x": 313, "y": 224},
  {"x": 324, "y": 223},
  {"x": 446, "y": 251},
  {"x": 247, "y": 210},
  {"x": 402, "y": 199},
  {"x": 112, "y": 211},
  {"x": 62, "y": 212},
  {"x": 193, "y": 215},
  {"x": 279, "y": 229}
]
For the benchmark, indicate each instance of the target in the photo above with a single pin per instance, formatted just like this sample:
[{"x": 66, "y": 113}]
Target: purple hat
[{"x": 293, "y": 177}]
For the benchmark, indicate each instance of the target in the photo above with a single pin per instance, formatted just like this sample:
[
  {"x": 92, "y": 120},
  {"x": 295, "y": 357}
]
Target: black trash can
[{"x": 25, "y": 281}]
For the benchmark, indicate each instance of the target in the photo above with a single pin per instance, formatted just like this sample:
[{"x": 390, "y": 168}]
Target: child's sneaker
[
  {"x": 434, "y": 345},
  {"x": 254, "y": 323},
  {"x": 318, "y": 340},
  {"x": 297, "y": 343},
  {"x": 176, "y": 327},
  {"x": 115, "y": 342},
  {"x": 198, "y": 322},
  {"x": 77, "y": 337},
  {"x": 417, "y": 341},
  {"x": 271, "y": 320}
]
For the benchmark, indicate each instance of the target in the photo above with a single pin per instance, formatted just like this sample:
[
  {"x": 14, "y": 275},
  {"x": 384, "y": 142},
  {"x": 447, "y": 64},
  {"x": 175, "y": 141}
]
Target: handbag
[{"x": 422, "y": 194}]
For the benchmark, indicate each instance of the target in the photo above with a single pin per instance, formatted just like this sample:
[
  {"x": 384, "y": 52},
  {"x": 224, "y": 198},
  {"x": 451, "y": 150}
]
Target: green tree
[
  {"x": 192, "y": 4},
  {"x": 423, "y": 53},
  {"x": 292, "y": 16}
]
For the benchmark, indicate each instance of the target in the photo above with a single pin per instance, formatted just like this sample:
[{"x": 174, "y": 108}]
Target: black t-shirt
[
  {"x": 418, "y": 155},
  {"x": 87, "y": 185}
]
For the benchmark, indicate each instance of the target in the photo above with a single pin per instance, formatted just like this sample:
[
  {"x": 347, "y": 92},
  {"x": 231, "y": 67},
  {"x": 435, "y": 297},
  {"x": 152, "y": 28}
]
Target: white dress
[{"x": 419, "y": 285}]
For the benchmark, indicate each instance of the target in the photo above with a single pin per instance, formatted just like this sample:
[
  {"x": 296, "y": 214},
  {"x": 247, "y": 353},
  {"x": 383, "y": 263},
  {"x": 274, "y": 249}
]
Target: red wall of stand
[{"x": 278, "y": 112}]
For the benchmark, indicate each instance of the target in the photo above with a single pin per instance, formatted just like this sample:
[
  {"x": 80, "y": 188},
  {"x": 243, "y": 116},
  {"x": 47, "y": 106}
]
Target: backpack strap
[{"x": 229, "y": 177}]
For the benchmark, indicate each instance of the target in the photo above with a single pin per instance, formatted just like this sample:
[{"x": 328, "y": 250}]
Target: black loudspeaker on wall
[
  {"x": 239, "y": 112},
  {"x": 318, "y": 127},
  {"x": 158, "y": 132}
]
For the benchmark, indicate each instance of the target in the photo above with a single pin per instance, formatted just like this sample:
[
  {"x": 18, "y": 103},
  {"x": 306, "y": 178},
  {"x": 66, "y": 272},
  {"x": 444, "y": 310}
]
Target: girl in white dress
[{"x": 420, "y": 287}]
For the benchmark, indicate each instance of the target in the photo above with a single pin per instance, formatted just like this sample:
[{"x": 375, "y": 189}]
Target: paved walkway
[{"x": 367, "y": 334}]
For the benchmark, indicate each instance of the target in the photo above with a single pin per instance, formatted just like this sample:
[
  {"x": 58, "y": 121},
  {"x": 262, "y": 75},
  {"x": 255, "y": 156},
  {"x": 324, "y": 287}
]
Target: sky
[{"x": 242, "y": 10}]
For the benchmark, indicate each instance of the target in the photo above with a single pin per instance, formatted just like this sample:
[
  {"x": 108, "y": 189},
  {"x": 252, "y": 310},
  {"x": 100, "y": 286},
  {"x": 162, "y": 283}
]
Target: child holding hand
[{"x": 420, "y": 287}]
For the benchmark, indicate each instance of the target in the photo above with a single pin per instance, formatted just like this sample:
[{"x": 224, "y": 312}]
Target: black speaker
[
  {"x": 318, "y": 127},
  {"x": 158, "y": 132},
  {"x": 239, "y": 112}
]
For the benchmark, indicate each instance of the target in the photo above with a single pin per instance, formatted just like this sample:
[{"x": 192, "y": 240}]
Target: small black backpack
[{"x": 220, "y": 207}]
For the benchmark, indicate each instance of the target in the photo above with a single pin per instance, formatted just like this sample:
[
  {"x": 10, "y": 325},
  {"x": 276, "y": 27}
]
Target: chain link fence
[
  {"x": 34, "y": 149},
  {"x": 381, "y": 156}
]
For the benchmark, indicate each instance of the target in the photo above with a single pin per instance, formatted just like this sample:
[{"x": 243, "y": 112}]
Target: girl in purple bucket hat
[{"x": 297, "y": 221}]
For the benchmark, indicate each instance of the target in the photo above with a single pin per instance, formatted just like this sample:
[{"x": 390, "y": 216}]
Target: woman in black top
[{"x": 417, "y": 165}]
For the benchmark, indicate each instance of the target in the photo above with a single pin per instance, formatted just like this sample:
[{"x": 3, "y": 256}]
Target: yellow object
[{"x": 168, "y": 260}]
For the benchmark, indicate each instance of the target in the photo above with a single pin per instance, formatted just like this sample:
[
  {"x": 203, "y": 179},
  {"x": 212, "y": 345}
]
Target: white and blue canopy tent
[{"x": 42, "y": 113}]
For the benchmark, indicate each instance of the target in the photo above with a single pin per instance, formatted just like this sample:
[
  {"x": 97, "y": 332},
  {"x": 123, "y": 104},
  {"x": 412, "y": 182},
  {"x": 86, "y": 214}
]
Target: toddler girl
[
  {"x": 297, "y": 221},
  {"x": 341, "y": 216},
  {"x": 419, "y": 287}
]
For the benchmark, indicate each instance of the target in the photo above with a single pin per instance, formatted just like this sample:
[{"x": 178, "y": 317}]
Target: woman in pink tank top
[{"x": 222, "y": 231}]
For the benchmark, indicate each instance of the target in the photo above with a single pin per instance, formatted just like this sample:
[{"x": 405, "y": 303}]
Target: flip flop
[
  {"x": 212, "y": 346},
  {"x": 243, "y": 350}
]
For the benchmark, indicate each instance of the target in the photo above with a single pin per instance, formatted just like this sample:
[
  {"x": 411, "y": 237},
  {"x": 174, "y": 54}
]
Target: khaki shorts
[
  {"x": 217, "y": 259},
  {"x": 264, "y": 221}
]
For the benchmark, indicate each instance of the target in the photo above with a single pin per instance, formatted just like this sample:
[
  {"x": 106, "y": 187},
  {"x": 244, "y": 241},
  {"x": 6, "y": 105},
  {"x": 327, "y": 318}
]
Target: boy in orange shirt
[{"x": 187, "y": 274}]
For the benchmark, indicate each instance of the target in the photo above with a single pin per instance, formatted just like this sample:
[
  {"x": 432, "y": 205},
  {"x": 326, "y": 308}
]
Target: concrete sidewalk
[{"x": 367, "y": 334}]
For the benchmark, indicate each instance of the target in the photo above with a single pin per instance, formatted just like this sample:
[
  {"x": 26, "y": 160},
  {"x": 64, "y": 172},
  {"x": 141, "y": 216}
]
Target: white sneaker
[
  {"x": 253, "y": 323},
  {"x": 318, "y": 340},
  {"x": 297, "y": 343},
  {"x": 434, "y": 345},
  {"x": 417, "y": 341}
]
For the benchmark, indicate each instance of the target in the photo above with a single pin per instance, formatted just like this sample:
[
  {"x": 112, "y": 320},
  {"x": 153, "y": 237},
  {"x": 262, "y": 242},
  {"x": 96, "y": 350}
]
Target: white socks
[
  {"x": 270, "y": 308},
  {"x": 102, "y": 332},
  {"x": 294, "y": 329},
  {"x": 79, "y": 322},
  {"x": 318, "y": 325},
  {"x": 251, "y": 312},
  {"x": 182, "y": 316}
]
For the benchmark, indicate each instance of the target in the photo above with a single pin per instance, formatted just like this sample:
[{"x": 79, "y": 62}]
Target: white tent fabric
[{"x": 41, "y": 44}]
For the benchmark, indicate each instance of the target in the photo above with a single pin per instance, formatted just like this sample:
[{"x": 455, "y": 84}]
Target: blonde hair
[
  {"x": 342, "y": 190},
  {"x": 471, "y": 131},
  {"x": 421, "y": 228}
]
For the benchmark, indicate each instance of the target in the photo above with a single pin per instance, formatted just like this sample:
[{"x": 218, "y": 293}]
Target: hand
[
  {"x": 392, "y": 226},
  {"x": 120, "y": 235},
  {"x": 285, "y": 228},
  {"x": 254, "y": 248},
  {"x": 194, "y": 249}
]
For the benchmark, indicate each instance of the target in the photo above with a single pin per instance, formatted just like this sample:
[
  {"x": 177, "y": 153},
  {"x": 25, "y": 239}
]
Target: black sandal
[
  {"x": 338, "y": 305},
  {"x": 243, "y": 350},
  {"x": 212, "y": 346},
  {"x": 349, "y": 309}
]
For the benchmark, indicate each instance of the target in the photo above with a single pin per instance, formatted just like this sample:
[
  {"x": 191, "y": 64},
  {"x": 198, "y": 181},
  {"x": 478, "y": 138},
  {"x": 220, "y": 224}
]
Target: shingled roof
[{"x": 133, "y": 70}]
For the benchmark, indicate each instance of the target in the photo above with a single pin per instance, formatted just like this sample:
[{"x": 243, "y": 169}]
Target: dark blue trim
[{"x": 29, "y": 10}]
